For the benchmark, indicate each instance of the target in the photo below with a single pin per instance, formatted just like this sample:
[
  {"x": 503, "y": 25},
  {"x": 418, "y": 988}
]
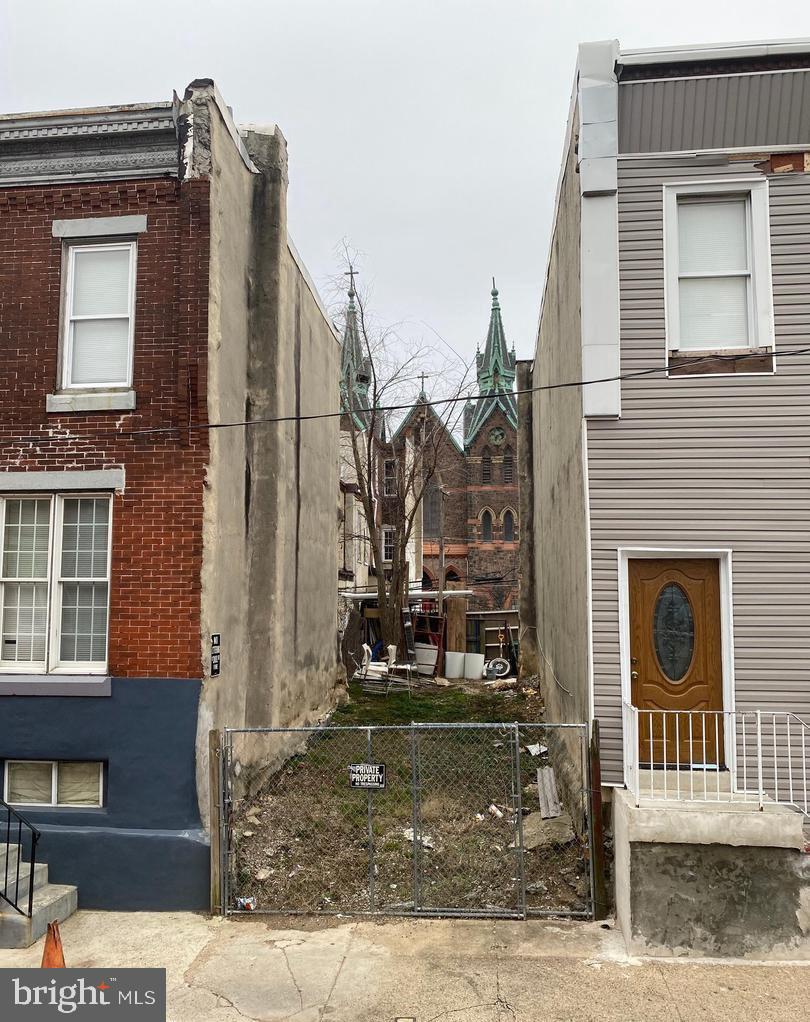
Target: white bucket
[
  {"x": 474, "y": 666},
  {"x": 454, "y": 665},
  {"x": 426, "y": 656}
]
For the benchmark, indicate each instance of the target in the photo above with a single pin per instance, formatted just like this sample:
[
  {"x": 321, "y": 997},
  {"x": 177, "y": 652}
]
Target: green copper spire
[
  {"x": 354, "y": 366},
  {"x": 496, "y": 374}
]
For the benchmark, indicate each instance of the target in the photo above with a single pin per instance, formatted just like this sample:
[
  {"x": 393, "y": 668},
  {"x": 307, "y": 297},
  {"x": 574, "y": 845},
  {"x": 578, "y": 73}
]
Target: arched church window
[
  {"x": 508, "y": 527},
  {"x": 486, "y": 527}
]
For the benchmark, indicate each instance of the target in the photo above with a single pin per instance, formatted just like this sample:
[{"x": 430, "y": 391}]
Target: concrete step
[
  {"x": 691, "y": 783},
  {"x": 8, "y": 853},
  {"x": 20, "y": 886},
  {"x": 51, "y": 902}
]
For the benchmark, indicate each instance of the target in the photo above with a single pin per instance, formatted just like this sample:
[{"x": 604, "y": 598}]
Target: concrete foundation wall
[
  {"x": 719, "y": 900},
  {"x": 711, "y": 880}
]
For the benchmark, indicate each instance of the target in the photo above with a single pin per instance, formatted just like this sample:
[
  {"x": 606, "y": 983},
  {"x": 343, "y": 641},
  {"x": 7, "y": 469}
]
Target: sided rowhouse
[{"x": 148, "y": 287}]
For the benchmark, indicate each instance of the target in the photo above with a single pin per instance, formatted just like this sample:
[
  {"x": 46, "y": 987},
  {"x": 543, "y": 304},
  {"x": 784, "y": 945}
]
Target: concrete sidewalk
[{"x": 306, "y": 970}]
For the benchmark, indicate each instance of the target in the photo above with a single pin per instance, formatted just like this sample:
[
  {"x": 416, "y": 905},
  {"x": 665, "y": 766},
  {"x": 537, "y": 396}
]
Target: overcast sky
[{"x": 426, "y": 132}]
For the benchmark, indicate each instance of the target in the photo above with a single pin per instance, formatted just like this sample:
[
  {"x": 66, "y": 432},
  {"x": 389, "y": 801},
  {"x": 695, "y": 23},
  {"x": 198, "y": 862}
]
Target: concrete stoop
[
  {"x": 51, "y": 902},
  {"x": 712, "y": 880}
]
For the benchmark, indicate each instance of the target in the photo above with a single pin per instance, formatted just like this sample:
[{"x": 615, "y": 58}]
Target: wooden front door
[{"x": 676, "y": 661}]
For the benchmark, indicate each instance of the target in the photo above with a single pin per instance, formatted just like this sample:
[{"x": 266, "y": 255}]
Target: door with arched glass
[{"x": 676, "y": 669}]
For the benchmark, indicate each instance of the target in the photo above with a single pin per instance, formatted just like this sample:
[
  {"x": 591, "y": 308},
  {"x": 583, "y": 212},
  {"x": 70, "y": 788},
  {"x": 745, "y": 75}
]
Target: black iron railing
[{"x": 17, "y": 835}]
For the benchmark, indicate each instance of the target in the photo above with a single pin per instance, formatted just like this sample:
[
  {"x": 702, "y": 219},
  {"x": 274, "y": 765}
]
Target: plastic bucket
[
  {"x": 474, "y": 666},
  {"x": 454, "y": 665}
]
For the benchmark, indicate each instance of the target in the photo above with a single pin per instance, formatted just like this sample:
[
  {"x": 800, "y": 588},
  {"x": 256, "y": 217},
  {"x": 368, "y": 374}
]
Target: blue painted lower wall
[{"x": 145, "y": 849}]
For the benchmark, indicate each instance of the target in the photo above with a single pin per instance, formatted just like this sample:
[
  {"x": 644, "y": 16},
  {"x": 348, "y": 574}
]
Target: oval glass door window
[{"x": 673, "y": 631}]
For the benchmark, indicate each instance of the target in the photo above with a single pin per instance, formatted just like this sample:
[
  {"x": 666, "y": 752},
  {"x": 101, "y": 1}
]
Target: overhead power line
[{"x": 267, "y": 420}]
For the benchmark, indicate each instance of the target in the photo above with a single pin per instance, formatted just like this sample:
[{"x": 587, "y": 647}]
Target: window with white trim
[
  {"x": 54, "y": 583},
  {"x": 30, "y": 782},
  {"x": 718, "y": 273},
  {"x": 389, "y": 536},
  {"x": 99, "y": 315}
]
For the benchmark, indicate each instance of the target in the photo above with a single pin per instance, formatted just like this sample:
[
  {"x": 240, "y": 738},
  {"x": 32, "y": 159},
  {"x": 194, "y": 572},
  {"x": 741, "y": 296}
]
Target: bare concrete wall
[
  {"x": 718, "y": 900},
  {"x": 270, "y": 528},
  {"x": 558, "y": 519}
]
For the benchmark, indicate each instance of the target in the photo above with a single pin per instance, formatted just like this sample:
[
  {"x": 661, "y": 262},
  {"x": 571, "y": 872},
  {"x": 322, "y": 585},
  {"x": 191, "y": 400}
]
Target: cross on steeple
[{"x": 351, "y": 273}]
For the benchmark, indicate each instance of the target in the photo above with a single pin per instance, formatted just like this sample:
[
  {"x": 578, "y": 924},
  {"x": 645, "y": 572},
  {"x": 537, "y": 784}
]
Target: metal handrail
[
  {"x": 19, "y": 821},
  {"x": 766, "y": 759}
]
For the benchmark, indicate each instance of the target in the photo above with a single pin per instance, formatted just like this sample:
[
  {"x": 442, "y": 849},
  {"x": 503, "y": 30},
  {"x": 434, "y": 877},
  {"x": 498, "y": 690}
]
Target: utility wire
[{"x": 568, "y": 384}]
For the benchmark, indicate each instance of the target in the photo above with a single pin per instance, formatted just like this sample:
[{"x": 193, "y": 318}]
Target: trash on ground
[
  {"x": 425, "y": 840},
  {"x": 246, "y": 904},
  {"x": 537, "y": 749},
  {"x": 495, "y": 811}
]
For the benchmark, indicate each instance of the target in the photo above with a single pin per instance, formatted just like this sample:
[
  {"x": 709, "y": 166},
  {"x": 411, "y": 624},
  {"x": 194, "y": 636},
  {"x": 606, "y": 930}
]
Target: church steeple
[
  {"x": 496, "y": 375},
  {"x": 496, "y": 367},
  {"x": 354, "y": 365}
]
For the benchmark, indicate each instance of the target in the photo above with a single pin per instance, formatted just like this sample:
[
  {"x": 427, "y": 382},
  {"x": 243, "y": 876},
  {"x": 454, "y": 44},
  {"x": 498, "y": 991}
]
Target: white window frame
[
  {"x": 52, "y": 664},
  {"x": 53, "y": 804},
  {"x": 760, "y": 290},
  {"x": 71, "y": 249},
  {"x": 388, "y": 531}
]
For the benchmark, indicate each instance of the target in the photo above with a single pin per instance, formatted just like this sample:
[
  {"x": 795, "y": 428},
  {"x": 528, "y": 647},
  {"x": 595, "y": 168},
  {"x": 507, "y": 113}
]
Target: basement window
[
  {"x": 719, "y": 307},
  {"x": 53, "y": 783}
]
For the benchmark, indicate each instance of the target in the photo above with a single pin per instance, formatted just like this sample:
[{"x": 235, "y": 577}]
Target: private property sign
[{"x": 367, "y": 775}]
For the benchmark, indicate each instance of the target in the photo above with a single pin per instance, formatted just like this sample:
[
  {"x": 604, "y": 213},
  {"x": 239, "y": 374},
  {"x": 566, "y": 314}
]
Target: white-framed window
[
  {"x": 36, "y": 782},
  {"x": 99, "y": 307},
  {"x": 390, "y": 478},
  {"x": 54, "y": 583},
  {"x": 389, "y": 543},
  {"x": 717, "y": 266}
]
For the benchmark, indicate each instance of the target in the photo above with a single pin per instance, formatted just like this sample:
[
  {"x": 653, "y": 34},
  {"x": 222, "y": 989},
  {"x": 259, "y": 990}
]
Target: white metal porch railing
[{"x": 717, "y": 756}]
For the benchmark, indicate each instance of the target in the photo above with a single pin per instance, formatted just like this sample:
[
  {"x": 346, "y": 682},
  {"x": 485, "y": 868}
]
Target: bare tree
[{"x": 394, "y": 443}]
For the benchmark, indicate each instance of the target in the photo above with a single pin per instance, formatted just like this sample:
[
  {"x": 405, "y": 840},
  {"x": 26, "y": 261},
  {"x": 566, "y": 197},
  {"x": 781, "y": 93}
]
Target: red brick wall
[{"x": 157, "y": 522}]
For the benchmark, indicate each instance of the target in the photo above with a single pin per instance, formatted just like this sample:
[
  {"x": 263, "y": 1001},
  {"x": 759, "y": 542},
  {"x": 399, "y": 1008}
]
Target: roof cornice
[{"x": 97, "y": 143}]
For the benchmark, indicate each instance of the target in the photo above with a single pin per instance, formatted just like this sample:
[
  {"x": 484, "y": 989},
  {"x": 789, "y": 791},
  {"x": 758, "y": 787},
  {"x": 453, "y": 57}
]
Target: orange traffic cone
[{"x": 53, "y": 957}]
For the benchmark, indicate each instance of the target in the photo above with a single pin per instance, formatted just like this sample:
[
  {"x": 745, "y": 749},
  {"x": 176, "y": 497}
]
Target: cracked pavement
[{"x": 270, "y": 969}]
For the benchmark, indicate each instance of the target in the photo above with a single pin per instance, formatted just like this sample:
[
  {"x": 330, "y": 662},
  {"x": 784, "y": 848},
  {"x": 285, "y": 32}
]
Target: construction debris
[
  {"x": 542, "y": 833},
  {"x": 425, "y": 840},
  {"x": 495, "y": 811},
  {"x": 547, "y": 790}
]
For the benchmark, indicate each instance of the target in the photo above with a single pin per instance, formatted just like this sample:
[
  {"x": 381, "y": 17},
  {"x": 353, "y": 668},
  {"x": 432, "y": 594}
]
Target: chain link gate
[{"x": 425, "y": 819}]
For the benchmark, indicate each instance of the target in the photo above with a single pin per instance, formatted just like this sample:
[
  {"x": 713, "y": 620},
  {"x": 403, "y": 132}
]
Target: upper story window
[
  {"x": 508, "y": 467},
  {"x": 99, "y": 316},
  {"x": 389, "y": 537},
  {"x": 432, "y": 510},
  {"x": 718, "y": 275},
  {"x": 54, "y": 583},
  {"x": 390, "y": 478},
  {"x": 486, "y": 468}
]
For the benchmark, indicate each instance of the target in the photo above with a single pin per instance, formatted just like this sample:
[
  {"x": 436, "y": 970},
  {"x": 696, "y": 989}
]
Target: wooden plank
[
  {"x": 547, "y": 790},
  {"x": 456, "y": 623}
]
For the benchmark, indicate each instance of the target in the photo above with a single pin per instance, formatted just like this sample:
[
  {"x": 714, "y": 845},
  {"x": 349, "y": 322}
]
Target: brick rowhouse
[{"x": 157, "y": 521}]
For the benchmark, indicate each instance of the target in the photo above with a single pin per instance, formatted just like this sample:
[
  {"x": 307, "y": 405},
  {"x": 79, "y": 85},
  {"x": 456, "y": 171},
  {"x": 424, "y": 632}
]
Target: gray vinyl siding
[
  {"x": 709, "y": 461},
  {"x": 728, "y": 111}
]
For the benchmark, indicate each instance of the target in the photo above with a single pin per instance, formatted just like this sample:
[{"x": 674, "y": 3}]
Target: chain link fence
[{"x": 428, "y": 819}]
